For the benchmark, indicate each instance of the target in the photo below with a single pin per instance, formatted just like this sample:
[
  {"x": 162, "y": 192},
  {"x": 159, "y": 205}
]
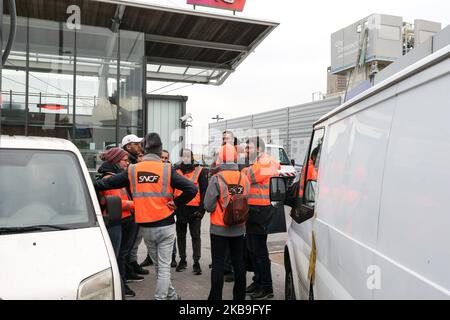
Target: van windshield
[
  {"x": 43, "y": 188},
  {"x": 280, "y": 155}
]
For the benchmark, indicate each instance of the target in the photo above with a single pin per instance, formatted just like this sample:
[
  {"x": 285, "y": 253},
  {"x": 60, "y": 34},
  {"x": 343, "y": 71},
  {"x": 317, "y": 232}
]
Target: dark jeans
[
  {"x": 174, "y": 251},
  {"x": 218, "y": 248},
  {"x": 194, "y": 229},
  {"x": 115, "y": 234},
  {"x": 129, "y": 233},
  {"x": 228, "y": 262},
  {"x": 259, "y": 254}
]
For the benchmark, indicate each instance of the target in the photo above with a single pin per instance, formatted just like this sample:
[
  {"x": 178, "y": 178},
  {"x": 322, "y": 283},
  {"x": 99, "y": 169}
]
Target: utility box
[{"x": 378, "y": 37}]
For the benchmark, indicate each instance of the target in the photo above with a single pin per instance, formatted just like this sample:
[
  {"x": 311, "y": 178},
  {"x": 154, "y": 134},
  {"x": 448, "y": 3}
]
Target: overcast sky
[{"x": 292, "y": 62}]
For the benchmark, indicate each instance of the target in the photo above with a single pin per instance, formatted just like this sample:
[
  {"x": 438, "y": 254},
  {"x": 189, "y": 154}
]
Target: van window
[
  {"x": 308, "y": 187},
  {"x": 280, "y": 155},
  {"x": 43, "y": 188}
]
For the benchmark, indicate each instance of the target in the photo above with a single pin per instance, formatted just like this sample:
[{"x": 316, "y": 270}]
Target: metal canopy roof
[{"x": 181, "y": 45}]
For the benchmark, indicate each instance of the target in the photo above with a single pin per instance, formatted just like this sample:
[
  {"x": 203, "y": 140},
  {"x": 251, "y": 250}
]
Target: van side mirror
[
  {"x": 278, "y": 191},
  {"x": 293, "y": 162},
  {"x": 113, "y": 210}
]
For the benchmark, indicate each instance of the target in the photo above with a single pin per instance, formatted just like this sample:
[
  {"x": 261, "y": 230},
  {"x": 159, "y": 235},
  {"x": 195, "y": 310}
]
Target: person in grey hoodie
[{"x": 229, "y": 180}]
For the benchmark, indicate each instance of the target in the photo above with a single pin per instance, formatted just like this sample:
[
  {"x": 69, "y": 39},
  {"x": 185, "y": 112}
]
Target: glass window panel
[
  {"x": 13, "y": 81},
  {"x": 132, "y": 51},
  {"x": 96, "y": 101},
  {"x": 51, "y": 79}
]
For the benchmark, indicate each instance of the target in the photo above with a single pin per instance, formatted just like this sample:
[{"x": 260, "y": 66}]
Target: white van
[
  {"x": 375, "y": 224},
  {"x": 53, "y": 241}
]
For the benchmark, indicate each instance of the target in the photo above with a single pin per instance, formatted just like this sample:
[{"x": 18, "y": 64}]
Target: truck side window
[{"x": 310, "y": 172}]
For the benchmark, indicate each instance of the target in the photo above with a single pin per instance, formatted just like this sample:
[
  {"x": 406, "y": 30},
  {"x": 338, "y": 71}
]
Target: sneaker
[
  {"x": 174, "y": 263},
  {"x": 147, "y": 262},
  {"x": 128, "y": 292},
  {"x": 182, "y": 265},
  {"x": 229, "y": 277},
  {"x": 133, "y": 277},
  {"x": 251, "y": 288},
  {"x": 197, "y": 269},
  {"x": 262, "y": 294},
  {"x": 138, "y": 269}
]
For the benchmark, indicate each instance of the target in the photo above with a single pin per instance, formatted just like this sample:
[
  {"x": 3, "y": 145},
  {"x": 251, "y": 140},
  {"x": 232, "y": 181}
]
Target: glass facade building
[
  {"x": 79, "y": 70},
  {"x": 85, "y": 84}
]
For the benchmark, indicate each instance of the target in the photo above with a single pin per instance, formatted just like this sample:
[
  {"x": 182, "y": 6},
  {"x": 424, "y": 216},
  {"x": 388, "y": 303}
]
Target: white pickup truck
[{"x": 287, "y": 166}]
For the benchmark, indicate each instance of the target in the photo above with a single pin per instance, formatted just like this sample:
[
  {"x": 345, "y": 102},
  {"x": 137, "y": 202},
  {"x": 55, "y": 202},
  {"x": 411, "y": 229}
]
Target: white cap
[{"x": 131, "y": 139}]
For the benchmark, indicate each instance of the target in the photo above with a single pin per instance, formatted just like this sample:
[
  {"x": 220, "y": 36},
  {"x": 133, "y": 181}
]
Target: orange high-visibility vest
[
  {"x": 259, "y": 175},
  {"x": 192, "y": 176},
  {"x": 311, "y": 176},
  {"x": 231, "y": 178},
  {"x": 127, "y": 204},
  {"x": 151, "y": 190}
]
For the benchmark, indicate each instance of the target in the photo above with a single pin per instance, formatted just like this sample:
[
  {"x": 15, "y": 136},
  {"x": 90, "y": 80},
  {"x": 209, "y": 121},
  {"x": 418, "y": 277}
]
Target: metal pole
[
  {"x": 27, "y": 80},
  {"x": 118, "y": 88},
  {"x": 74, "y": 86},
  {"x": 144, "y": 96}
]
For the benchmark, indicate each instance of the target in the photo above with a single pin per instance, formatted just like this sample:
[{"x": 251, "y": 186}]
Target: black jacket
[
  {"x": 266, "y": 220},
  {"x": 132, "y": 158},
  {"x": 177, "y": 182},
  {"x": 185, "y": 213}
]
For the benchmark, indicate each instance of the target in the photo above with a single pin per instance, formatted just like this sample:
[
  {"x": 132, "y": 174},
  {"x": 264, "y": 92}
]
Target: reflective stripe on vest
[
  {"x": 230, "y": 177},
  {"x": 151, "y": 198},
  {"x": 193, "y": 176},
  {"x": 264, "y": 168}
]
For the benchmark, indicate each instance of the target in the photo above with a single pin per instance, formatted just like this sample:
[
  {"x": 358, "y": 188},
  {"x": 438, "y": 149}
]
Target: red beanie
[{"x": 113, "y": 155}]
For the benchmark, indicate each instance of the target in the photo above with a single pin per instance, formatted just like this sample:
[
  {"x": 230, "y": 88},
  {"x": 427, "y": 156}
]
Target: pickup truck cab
[
  {"x": 288, "y": 170},
  {"x": 53, "y": 241}
]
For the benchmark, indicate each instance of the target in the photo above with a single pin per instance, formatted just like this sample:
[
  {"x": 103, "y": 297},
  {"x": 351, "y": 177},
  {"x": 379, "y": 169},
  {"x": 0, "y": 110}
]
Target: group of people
[{"x": 160, "y": 202}]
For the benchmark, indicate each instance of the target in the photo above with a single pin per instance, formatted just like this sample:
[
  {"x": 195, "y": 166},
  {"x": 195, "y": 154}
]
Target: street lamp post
[
  {"x": 188, "y": 125},
  {"x": 218, "y": 118}
]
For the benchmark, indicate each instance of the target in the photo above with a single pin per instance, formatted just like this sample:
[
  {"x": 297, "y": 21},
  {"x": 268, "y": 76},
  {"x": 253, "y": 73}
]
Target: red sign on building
[{"x": 234, "y": 5}]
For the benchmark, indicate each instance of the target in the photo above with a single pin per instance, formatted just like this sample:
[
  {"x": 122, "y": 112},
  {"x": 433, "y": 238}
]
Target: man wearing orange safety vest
[
  {"x": 228, "y": 180},
  {"x": 152, "y": 184},
  {"x": 259, "y": 173},
  {"x": 192, "y": 213},
  {"x": 312, "y": 172}
]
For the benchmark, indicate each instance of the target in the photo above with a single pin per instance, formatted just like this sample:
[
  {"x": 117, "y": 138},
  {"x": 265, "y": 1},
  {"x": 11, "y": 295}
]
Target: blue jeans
[{"x": 160, "y": 242}]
